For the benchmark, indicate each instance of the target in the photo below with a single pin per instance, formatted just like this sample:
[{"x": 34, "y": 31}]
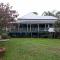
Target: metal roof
[
  {"x": 34, "y": 16},
  {"x": 38, "y": 17}
]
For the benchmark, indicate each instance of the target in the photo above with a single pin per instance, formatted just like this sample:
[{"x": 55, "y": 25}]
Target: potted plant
[{"x": 2, "y": 50}]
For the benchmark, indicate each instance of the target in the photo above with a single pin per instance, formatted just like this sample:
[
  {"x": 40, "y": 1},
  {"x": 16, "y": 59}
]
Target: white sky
[{"x": 25, "y": 6}]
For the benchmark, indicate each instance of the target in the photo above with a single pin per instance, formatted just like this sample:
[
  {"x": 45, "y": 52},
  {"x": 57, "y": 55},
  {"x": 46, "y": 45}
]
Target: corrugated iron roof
[{"x": 34, "y": 16}]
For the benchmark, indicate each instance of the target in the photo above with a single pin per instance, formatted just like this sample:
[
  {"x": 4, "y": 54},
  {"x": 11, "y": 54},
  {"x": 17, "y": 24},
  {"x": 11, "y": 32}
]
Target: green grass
[{"x": 32, "y": 49}]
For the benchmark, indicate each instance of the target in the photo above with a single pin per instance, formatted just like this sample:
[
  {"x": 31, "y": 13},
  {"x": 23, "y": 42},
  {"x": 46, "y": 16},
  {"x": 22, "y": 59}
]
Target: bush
[
  {"x": 5, "y": 36},
  {"x": 57, "y": 35}
]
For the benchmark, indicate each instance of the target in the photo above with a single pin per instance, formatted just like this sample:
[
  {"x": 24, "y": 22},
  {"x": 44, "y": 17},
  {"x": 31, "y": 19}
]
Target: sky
[{"x": 24, "y": 7}]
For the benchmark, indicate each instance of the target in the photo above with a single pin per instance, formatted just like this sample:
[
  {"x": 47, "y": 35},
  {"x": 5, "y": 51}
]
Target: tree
[
  {"x": 57, "y": 23},
  {"x": 6, "y": 15},
  {"x": 57, "y": 26},
  {"x": 53, "y": 13},
  {"x": 48, "y": 13}
]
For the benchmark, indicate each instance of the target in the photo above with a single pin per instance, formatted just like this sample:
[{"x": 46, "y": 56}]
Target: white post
[
  {"x": 48, "y": 25},
  {"x": 45, "y": 26},
  {"x": 30, "y": 30},
  {"x": 18, "y": 27},
  {"x": 30, "y": 27},
  {"x": 38, "y": 27},
  {"x": 38, "y": 30},
  {"x": 27, "y": 27}
]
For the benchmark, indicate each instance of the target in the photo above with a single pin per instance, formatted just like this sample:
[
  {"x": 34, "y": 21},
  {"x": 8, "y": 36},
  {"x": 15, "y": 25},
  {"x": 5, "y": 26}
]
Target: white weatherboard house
[{"x": 32, "y": 25}]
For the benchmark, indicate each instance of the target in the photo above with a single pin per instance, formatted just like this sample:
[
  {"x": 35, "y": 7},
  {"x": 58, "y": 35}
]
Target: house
[{"x": 32, "y": 25}]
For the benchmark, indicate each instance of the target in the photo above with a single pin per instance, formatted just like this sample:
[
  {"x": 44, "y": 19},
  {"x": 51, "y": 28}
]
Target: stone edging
[{"x": 2, "y": 40}]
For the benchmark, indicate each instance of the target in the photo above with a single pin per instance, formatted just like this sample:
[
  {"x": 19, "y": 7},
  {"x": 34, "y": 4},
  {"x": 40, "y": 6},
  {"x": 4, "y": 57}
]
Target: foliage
[
  {"x": 5, "y": 36},
  {"x": 48, "y": 13},
  {"x": 53, "y": 13},
  {"x": 35, "y": 13},
  {"x": 57, "y": 26},
  {"x": 6, "y": 15}
]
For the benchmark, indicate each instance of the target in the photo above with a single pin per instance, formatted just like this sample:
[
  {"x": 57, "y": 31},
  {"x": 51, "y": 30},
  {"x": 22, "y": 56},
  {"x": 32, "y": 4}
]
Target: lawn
[{"x": 32, "y": 49}]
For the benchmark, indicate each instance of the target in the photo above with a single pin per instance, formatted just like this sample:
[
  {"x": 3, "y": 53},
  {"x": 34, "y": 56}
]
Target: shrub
[{"x": 5, "y": 36}]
